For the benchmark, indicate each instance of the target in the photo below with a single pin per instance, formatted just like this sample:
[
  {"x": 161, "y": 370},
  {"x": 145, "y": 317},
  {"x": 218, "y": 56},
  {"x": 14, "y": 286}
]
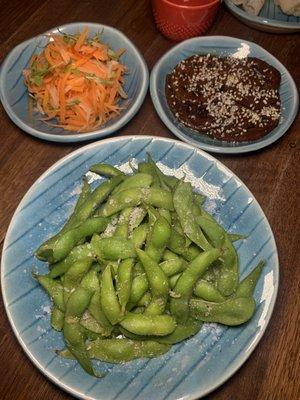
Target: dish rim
[
  {"x": 236, "y": 365},
  {"x": 191, "y": 8},
  {"x": 77, "y": 137},
  {"x": 240, "y": 148},
  {"x": 263, "y": 21}
]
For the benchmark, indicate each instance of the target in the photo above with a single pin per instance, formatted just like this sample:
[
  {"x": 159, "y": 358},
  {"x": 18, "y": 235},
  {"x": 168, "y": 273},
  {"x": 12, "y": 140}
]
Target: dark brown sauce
[{"x": 228, "y": 98}]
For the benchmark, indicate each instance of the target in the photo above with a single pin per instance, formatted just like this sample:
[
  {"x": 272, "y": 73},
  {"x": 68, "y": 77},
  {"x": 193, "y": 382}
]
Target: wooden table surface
[{"x": 272, "y": 372}]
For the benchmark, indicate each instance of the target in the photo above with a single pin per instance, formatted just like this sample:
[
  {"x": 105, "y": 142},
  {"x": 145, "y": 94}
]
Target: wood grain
[{"x": 272, "y": 174}]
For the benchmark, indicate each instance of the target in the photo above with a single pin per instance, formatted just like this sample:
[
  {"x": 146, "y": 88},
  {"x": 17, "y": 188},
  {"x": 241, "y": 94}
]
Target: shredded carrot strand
[{"x": 81, "y": 38}]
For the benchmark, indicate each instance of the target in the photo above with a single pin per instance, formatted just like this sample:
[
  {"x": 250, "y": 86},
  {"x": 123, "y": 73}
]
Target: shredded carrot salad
[{"x": 77, "y": 80}]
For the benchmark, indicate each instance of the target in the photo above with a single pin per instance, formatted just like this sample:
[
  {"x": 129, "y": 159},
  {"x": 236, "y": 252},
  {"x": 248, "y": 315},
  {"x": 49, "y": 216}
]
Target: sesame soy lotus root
[{"x": 227, "y": 98}]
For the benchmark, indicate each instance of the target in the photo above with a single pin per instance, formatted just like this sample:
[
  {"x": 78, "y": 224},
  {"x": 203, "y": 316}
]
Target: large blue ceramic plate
[
  {"x": 270, "y": 18},
  {"x": 221, "y": 46},
  {"x": 190, "y": 369},
  {"x": 14, "y": 95}
]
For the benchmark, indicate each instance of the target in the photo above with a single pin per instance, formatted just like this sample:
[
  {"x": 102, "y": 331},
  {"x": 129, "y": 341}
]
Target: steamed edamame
[{"x": 139, "y": 266}]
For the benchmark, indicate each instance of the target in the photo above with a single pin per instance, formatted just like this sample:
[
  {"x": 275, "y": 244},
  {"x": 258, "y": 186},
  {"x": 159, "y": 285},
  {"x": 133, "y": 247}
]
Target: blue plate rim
[
  {"x": 241, "y": 148},
  {"x": 237, "y": 364},
  {"x": 270, "y": 22},
  {"x": 77, "y": 137}
]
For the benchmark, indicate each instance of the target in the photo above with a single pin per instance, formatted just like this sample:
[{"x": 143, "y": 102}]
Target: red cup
[{"x": 182, "y": 19}]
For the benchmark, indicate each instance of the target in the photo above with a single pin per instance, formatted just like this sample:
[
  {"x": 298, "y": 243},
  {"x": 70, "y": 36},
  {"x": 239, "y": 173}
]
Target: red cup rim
[{"x": 209, "y": 3}]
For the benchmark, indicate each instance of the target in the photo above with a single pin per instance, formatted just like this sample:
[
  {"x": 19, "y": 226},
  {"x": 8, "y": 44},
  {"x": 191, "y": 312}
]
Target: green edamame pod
[
  {"x": 136, "y": 218},
  {"x": 138, "y": 180},
  {"x": 121, "y": 350},
  {"x": 144, "y": 302},
  {"x": 207, "y": 291},
  {"x": 176, "y": 243},
  {"x": 191, "y": 252},
  {"x": 82, "y": 213},
  {"x": 134, "y": 197},
  {"x": 170, "y": 181},
  {"x": 74, "y": 339},
  {"x": 235, "y": 311},
  {"x": 67, "y": 240},
  {"x": 169, "y": 255},
  {"x": 211, "y": 275},
  {"x": 199, "y": 199},
  {"x": 90, "y": 323},
  {"x": 159, "y": 198},
  {"x": 97, "y": 197},
  {"x": 138, "y": 310},
  {"x": 173, "y": 266},
  {"x": 139, "y": 287},
  {"x": 147, "y": 168},
  {"x": 121, "y": 200},
  {"x": 156, "y": 325},
  {"x": 227, "y": 279},
  {"x": 73, "y": 335},
  {"x": 173, "y": 280},
  {"x": 122, "y": 228},
  {"x": 57, "y": 319},
  {"x": 152, "y": 217},
  {"x": 78, "y": 253},
  {"x": 247, "y": 286},
  {"x": 77, "y": 303},
  {"x": 155, "y": 171},
  {"x": 158, "y": 283},
  {"x": 74, "y": 275},
  {"x": 105, "y": 170},
  {"x": 183, "y": 290},
  {"x": 183, "y": 204},
  {"x": 166, "y": 214},
  {"x": 139, "y": 235},
  {"x": 108, "y": 297},
  {"x": 158, "y": 239},
  {"x": 178, "y": 228},
  {"x": 124, "y": 281},
  {"x": 96, "y": 311},
  {"x": 90, "y": 280},
  {"x": 234, "y": 237},
  {"x": 112, "y": 248},
  {"x": 85, "y": 192},
  {"x": 114, "y": 266},
  {"x": 161, "y": 232},
  {"x": 132, "y": 336},
  {"x": 53, "y": 288},
  {"x": 214, "y": 231},
  {"x": 182, "y": 332},
  {"x": 164, "y": 180},
  {"x": 89, "y": 335},
  {"x": 138, "y": 269}
]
